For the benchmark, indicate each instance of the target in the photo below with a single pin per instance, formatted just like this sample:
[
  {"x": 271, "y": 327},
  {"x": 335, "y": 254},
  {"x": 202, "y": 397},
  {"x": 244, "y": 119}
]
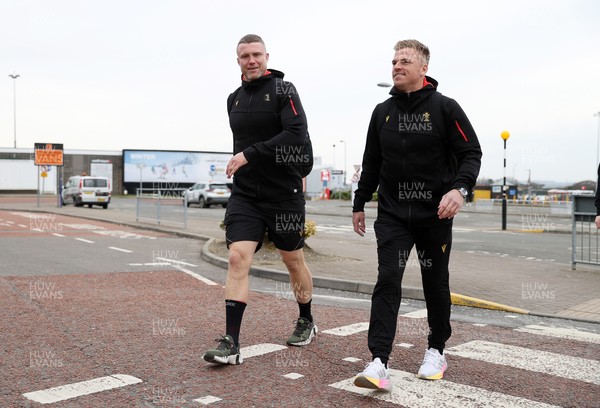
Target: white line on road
[
  {"x": 574, "y": 368},
  {"x": 348, "y": 330},
  {"x": 209, "y": 399},
  {"x": 22, "y": 226},
  {"x": 570, "y": 334},
  {"x": 417, "y": 314},
  {"x": 127, "y": 251},
  {"x": 58, "y": 235},
  {"x": 87, "y": 241},
  {"x": 78, "y": 389},
  {"x": 410, "y": 391},
  {"x": 345, "y": 299},
  {"x": 195, "y": 275},
  {"x": 260, "y": 349},
  {"x": 174, "y": 261}
]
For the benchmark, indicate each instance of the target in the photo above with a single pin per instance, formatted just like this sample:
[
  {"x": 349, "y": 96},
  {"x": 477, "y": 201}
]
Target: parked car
[
  {"x": 207, "y": 193},
  {"x": 82, "y": 190}
]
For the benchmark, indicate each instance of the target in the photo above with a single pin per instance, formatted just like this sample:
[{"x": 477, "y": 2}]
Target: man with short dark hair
[
  {"x": 424, "y": 156},
  {"x": 269, "y": 130}
]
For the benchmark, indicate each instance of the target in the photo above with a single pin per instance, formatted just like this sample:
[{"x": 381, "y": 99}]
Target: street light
[
  {"x": 504, "y": 135},
  {"x": 334, "y": 156},
  {"x": 384, "y": 84},
  {"x": 345, "y": 156},
  {"x": 14, "y": 77}
]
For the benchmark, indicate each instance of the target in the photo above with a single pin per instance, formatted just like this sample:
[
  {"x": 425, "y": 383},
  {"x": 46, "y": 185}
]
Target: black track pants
[{"x": 394, "y": 243}]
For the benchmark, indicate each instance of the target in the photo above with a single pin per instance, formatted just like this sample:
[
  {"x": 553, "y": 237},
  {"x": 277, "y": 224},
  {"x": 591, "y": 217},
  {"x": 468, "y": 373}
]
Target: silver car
[{"x": 207, "y": 193}]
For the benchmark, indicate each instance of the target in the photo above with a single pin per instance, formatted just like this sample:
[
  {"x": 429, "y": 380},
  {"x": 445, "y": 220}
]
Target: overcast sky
[{"x": 109, "y": 75}]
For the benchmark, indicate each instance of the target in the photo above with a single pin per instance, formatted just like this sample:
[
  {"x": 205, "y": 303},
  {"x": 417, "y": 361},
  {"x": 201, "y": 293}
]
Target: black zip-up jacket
[
  {"x": 419, "y": 146},
  {"x": 269, "y": 126}
]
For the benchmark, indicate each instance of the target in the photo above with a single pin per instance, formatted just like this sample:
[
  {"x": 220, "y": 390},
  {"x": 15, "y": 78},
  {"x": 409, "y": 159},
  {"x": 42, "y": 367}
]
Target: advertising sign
[{"x": 163, "y": 166}]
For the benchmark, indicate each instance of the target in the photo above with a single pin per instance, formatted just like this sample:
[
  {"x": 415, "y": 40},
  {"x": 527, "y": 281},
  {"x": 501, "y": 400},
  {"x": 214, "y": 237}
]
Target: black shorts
[{"x": 283, "y": 222}]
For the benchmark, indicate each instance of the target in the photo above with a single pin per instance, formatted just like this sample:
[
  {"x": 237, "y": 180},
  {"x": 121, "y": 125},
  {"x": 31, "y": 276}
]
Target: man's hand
[
  {"x": 358, "y": 221},
  {"x": 235, "y": 163},
  {"x": 598, "y": 222},
  {"x": 450, "y": 204}
]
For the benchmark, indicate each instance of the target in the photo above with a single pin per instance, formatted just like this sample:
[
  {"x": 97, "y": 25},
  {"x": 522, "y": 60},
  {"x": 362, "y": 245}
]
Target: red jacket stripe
[{"x": 461, "y": 131}]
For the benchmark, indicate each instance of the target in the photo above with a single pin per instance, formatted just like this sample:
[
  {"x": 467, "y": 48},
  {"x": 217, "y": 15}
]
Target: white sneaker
[
  {"x": 375, "y": 376},
  {"x": 434, "y": 365}
]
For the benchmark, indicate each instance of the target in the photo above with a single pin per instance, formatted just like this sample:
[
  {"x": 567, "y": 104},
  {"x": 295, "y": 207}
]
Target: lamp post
[
  {"x": 334, "y": 156},
  {"x": 504, "y": 135},
  {"x": 14, "y": 77},
  {"x": 345, "y": 157}
]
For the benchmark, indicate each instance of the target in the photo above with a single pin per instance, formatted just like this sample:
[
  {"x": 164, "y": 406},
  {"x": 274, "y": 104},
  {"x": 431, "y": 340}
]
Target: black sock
[
  {"x": 305, "y": 310},
  {"x": 234, "y": 311}
]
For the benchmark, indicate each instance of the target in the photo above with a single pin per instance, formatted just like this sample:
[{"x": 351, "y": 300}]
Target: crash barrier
[
  {"x": 163, "y": 206},
  {"x": 585, "y": 234}
]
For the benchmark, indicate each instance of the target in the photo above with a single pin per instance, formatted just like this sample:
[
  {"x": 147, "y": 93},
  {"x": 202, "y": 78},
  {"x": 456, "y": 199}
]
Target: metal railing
[
  {"x": 585, "y": 243},
  {"x": 163, "y": 206}
]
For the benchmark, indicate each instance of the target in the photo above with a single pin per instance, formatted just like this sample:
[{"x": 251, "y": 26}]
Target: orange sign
[{"x": 48, "y": 154}]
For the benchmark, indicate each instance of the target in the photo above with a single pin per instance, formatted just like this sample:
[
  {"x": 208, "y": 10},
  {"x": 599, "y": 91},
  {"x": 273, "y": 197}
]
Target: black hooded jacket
[
  {"x": 419, "y": 146},
  {"x": 269, "y": 126}
]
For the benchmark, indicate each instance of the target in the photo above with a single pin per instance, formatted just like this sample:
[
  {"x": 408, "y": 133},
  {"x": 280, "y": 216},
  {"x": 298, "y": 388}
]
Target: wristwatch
[{"x": 463, "y": 192}]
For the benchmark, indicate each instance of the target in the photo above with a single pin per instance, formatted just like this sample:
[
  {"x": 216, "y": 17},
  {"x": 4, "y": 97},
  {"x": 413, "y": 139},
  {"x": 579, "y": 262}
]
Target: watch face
[{"x": 463, "y": 191}]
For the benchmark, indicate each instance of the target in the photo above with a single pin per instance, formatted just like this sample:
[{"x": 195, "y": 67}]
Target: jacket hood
[
  {"x": 271, "y": 73},
  {"x": 428, "y": 84}
]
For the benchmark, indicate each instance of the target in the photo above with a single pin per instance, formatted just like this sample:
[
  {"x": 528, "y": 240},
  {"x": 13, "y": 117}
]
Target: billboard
[
  {"x": 48, "y": 154},
  {"x": 162, "y": 166}
]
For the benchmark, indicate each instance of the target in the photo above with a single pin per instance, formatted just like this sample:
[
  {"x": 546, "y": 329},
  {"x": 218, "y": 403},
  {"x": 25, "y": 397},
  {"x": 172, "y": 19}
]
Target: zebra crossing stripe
[
  {"x": 574, "y": 368},
  {"x": 348, "y": 330},
  {"x": 569, "y": 334},
  {"x": 78, "y": 389},
  {"x": 412, "y": 392},
  {"x": 260, "y": 349}
]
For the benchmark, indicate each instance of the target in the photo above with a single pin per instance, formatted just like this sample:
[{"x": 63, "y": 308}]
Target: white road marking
[
  {"x": 345, "y": 299},
  {"x": 83, "y": 226},
  {"x": 175, "y": 261},
  {"x": 209, "y": 399},
  {"x": 127, "y": 251},
  {"x": 85, "y": 240},
  {"x": 412, "y": 392},
  {"x": 293, "y": 376},
  {"x": 22, "y": 226},
  {"x": 78, "y": 389},
  {"x": 260, "y": 349},
  {"x": 480, "y": 324},
  {"x": 417, "y": 314},
  {"x": 351, "y": 359},
  {"x": 348, "y": 330},
  {"x": 195, "y": 275},
  {"x": 58, "y": 235},
  {"x": 570, "y": 334},
  {"x": 574, "y": 368},
  {"x": 121, "y": 234},
  {"x": 405, "y": 345}
]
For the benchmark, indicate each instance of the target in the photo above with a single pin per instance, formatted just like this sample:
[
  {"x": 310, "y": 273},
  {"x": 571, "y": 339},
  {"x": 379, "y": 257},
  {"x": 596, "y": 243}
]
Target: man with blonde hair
[{"x": 423, "y": 157}]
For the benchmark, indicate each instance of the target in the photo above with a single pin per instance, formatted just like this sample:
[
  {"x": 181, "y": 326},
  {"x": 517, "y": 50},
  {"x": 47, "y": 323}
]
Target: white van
[{"x": 82, "y": 190}]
